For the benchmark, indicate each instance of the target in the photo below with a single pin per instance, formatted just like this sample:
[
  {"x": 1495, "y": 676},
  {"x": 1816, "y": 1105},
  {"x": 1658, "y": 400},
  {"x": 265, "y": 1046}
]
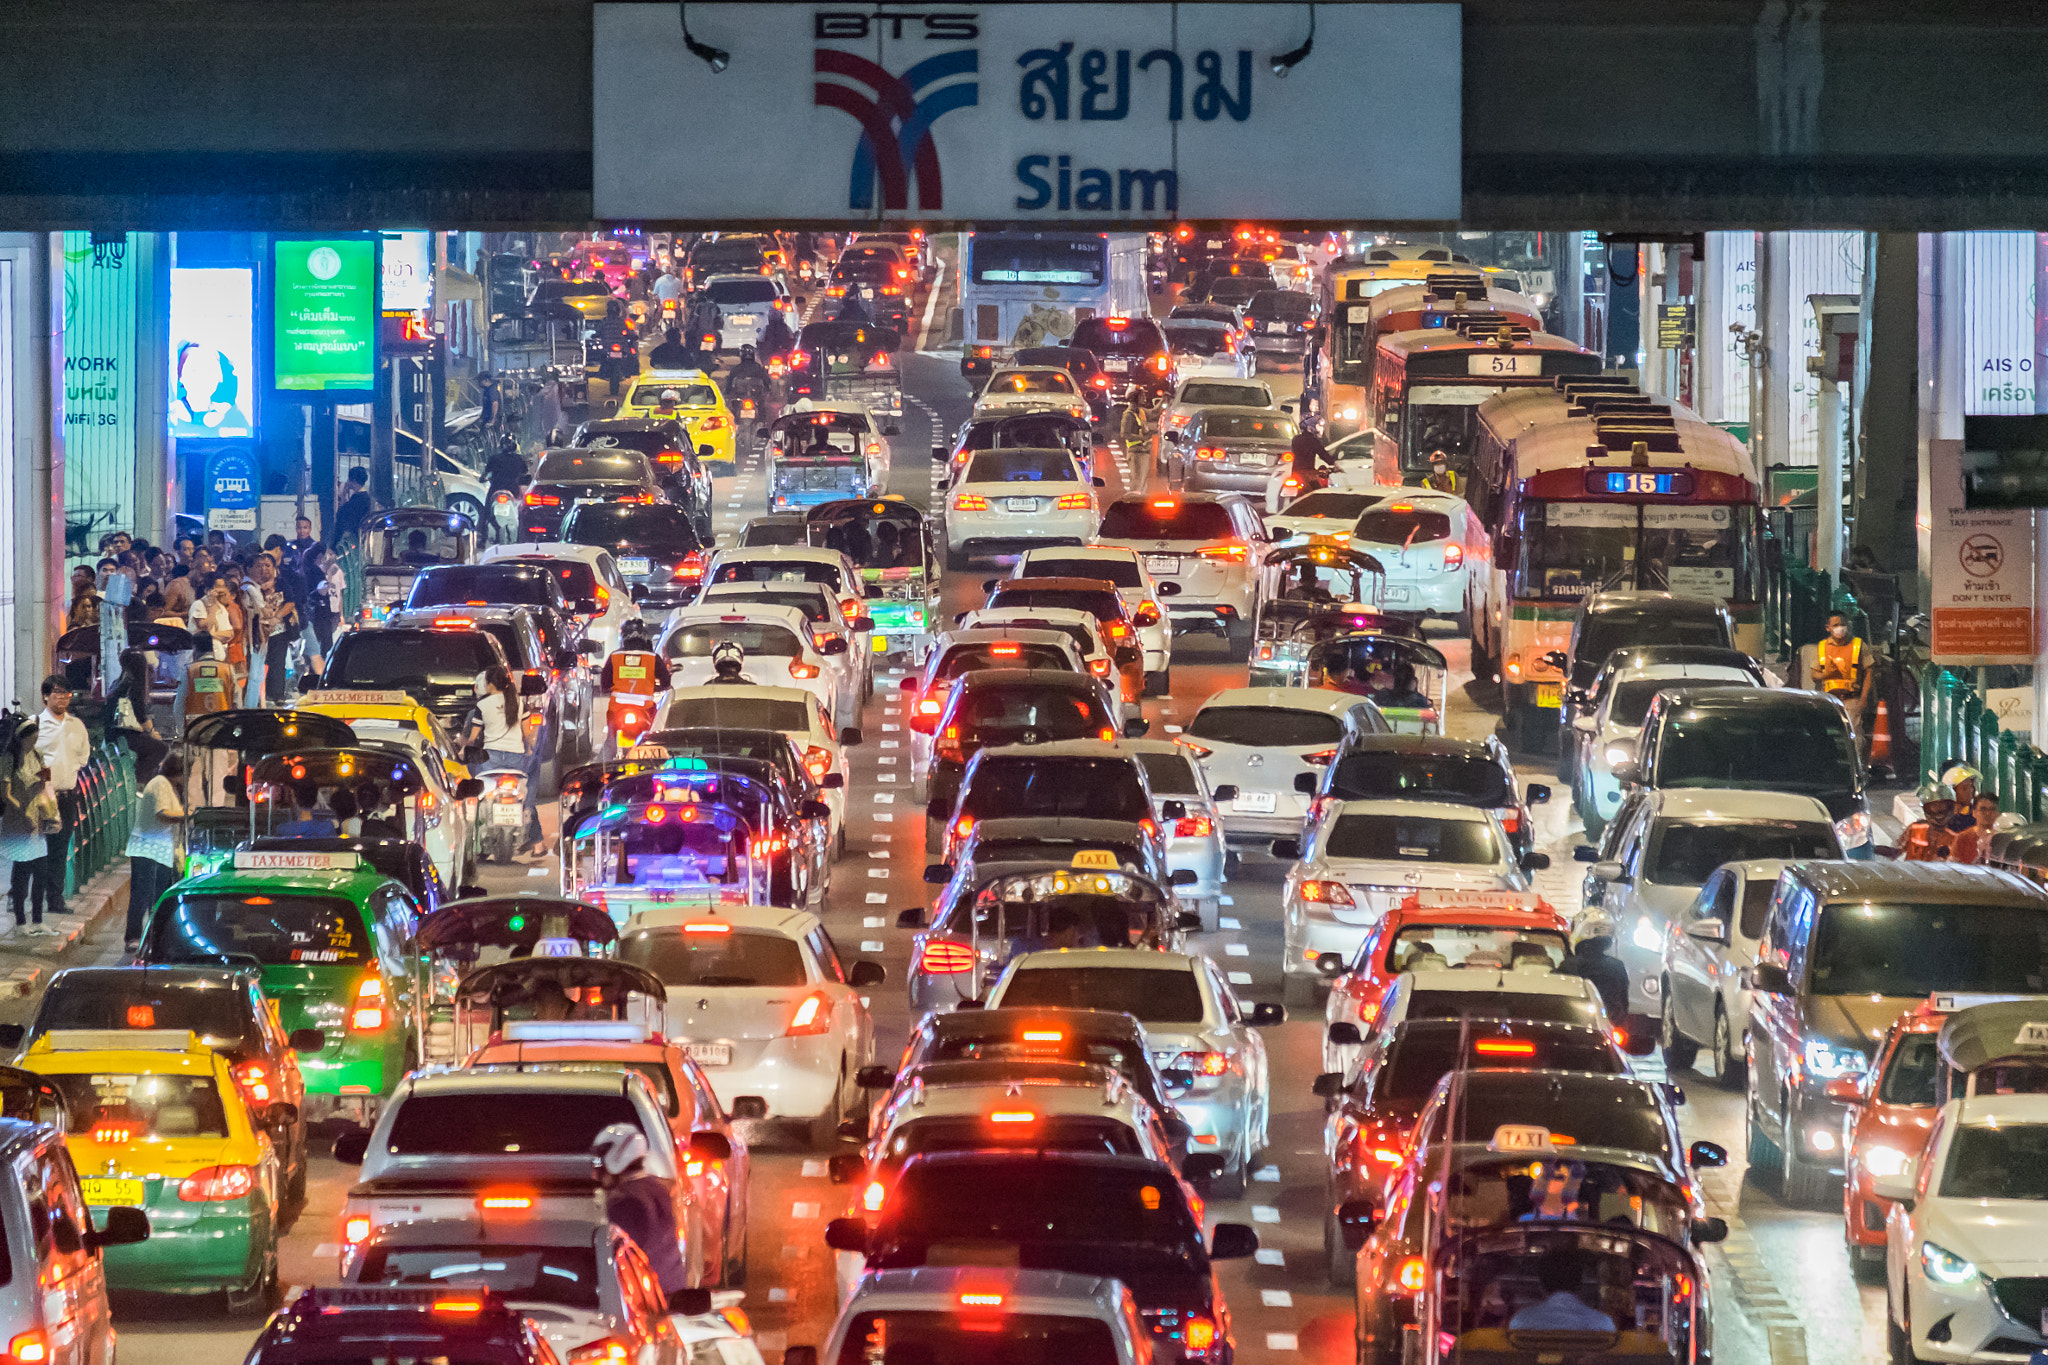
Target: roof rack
[
  {"x": 1568, "y": 384},
  {"x": 1488, "y": 328},
  {"x": 1448, "y": 285}
]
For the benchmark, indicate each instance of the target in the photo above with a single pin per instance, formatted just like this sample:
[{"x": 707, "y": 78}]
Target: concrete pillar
[
  {"x": 1648, "y": 292},
  {"x": 1571, "y": 286},
  {"x": 1887, "y": 429},
  {"x": 1828, "y": 543},
  {"x": 1775, "y": 322},
  {"x": 36, "y": 491},
  {"x": 150, "y": 254},
  {"x": 1941, "y": 386}
]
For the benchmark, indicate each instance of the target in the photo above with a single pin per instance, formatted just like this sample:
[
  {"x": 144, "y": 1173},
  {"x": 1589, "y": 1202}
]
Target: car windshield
[
  {"x": 151, "y": 1106},
  {"x": 528, "y": 1122},
  {"x": 564, "y": 289},
  {"x": 816, "y": 608},
  {"x": 1517, "y": 1192},
  {"x": 1402, "y": 524},
  {"x": 1541, "y": 1009},
  {"x": 1479, "y": 945},
  {"x": 1469, "y": 779},
  {"x": 565, "y": 1276},
  {"x": 1911, "y": 1075},
  {"x": 1283, "y": 303},
  {"x": 1332, "y": 506},
  {"x": 1151, "y": 997},
  {"x": 716, "y": 955},
  {"x": 1078, "y": 788},
  {"x": 1266, "y": 727},
  {"x": 1598, "y": 1115},
  {"x": 922, "y": 1336},
  {"x": 634, "y": 529},
  {"x": 740, "y": 291},
  {"x": 1124, "y": 1213},
  {"x": 2002, "y": 1161},
  {"x": 698, "y": 639},
  {"x": 1125, "y": 573},
  {"x": 1915, "y": 950},
  {"x": 1225, "y": 395},
  {"x": 271, "y": 930},
  {"x": 402, "y": 658},
  {"x": 1166, "y": 519},
  {"x": 591, "y": 466},
  {"x": 217, "y": 1011},
  {"x": 1802, "y": 749},
  {"x": 1030, "y": 381},
  {"x": 1686, "y": 852},
  {"x": 1169, "y": 774},
  {"x": 498, "y": 585},
  {"x": 1103, "y": 605},
  {"x": 1412, "y": 838},
  {"x": 1044, "y": 1133},
  {"x": 1246, "y": 426},
  {"x": 1023, "y": 466},
  {"x": 1422, "y": 1057},
  {"x": 1632, "y": 699},
  {"x": 740, "y": 713}
]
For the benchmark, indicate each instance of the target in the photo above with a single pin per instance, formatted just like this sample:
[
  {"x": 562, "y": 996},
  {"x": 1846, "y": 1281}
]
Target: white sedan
[
  {"x": 1121, "y": 565},
  {"x": 1261, "y": 740},
  {"x": 1966, "y": 1245},
  {"x": 793, "y": 711},
  {"x": 780, "y": 651},
  {"x": 1031, "y": 388},
  {"x": 1419, "y": 537},
  {"x": 1325, "y": 512},
  {"x": 803, "y": 564},
  {"x": 777, "y": 1018},
  {"x": 590, "y": 578},
  {"x": 1009, "y": 500}
]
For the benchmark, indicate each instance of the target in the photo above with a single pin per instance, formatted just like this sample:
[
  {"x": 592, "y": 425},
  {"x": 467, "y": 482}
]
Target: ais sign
[
  {"x": 323, "y": 318},
  {"x": 1028, "y": 112}
]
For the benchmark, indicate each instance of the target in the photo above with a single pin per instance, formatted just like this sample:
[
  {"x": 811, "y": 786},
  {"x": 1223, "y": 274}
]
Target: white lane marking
[
  {"x": 816, "y": 1170},
  {"x": 931, "y": 303},
  {"x": 1276, "y": 1298},
  {"x": 1225, "y": 900},
  {"x": 884, "y": 816},
  {"x": 886, "y": 777},
  {"x": 877, "y": 922},
  {"x": 889, "y": 729},
  {"x": 1270, "y": 1256},
  {"x": 778, "y": 1296},
  {"x": 1227, "y": 923},
  {"x": 1236, "y": 950},
  {"x": 878, "y": 872},
  {"x": 877, "y": 898},
  {"x": 883, "y": 798},
  {"x": 538, "y": 872},
  {"x": 878, "y": 853},
  {"x": 1276, "y": 1341},
  {"x": 1269, "y": 1174},
  {"x": 891, "y": 743},
  {"x": 327, "y": 1249},
  {"x": 879, "y": 838},
  {"x": 1240, "y": 978},
  {"x": 885, "y": 758},
  {"x": 1265, "y": 1213},
  {"x": 873, "y": 945}
]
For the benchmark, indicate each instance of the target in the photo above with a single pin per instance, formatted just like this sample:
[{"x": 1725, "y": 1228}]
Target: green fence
[
  {"x": 106, "y": 801},
  {"x": 1954, "y": 725}
]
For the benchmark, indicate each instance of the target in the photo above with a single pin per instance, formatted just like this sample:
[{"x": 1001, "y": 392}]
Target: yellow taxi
[
  {"x": 157, "y": 1123},
  {"x": 699, "y": 405},
  {"x": 386, "y": 714}
]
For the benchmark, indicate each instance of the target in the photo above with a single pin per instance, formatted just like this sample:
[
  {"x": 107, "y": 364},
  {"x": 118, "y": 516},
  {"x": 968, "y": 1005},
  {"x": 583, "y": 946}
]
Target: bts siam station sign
[{"x": 1026, "y": 112}]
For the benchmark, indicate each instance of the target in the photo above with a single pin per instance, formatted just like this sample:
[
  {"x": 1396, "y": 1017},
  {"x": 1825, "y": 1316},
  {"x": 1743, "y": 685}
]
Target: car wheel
[
  {"x": 1898, "y": 1334},
  {"x": 1765, "y": 1160},
  {"x": 295, "y": 1186},
  {"x": 469, "y": 507},
  {"x": 1340, "y": 1261},
  {"x": 824, "y": 1129},
  {"x": 1159, "y": 684},
  {"x": 1680, "y": 1052},
  {"x": 1730, "y": 1068},
  {"x": 1866, "y": 1267},
  {"x": 735, "y": 1270}
]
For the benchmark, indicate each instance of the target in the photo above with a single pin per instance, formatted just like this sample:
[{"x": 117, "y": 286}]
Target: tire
[
  {"x": 1731, "y": 1068},
  {"x": 824, "y": 1129},
  {"x": 1210, "y": 908},
  {"x": 1866, "y": 1269},
  {"x": 1766, "y": 1161},
  {"x": 1898, "y": 1334},
  {"x": 259, "y": 1300},
  {"x": 1807, "y": 1184},
  {"x": 1680, "y": 1052},
  {"x": 295, "y": 1186},
  {"x": 1159, "y": 684},
  {"x": 1340, "y": 1262},
  {"x": 734, "y": 1272},
  {"x": 469, "y": 507}
]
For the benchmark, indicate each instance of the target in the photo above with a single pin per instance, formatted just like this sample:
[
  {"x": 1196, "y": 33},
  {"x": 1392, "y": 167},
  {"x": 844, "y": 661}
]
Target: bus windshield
[
  {"x": 1440, "y": 418},
  {"x": 1079, "y": 260},
  {"x": 1575, "y": 549}
]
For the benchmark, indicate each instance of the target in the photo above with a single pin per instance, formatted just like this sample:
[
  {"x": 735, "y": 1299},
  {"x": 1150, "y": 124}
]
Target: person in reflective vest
[
  {"x": 632, "y": 676},
  {"x": 1841, "y": 668}
]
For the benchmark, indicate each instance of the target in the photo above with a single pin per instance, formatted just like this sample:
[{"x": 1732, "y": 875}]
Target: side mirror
[
  {"x": 1226, "y": 792},
  {"x": 1184, "y": 876},
  {"x": 750, "y": 1107},
  {"x": 1846, "y": 1088},
  {"x": 351, "y": 1147},
  {"x": 846, "y": 1167},
  {"x": 1705, "y": 1154},
  {"x": 567, "y": 658},
  {"x": 864, "y": 974},
  {"x": 533, "y": 685},
  {"x": 849, "y": 736},
  {"x": 690, "y": 1303},
  {"x": 1899, "y": 1188},
  {"x": 814, "y": 810},
  {"x": 281, "y": 1115},
  {"x": 938, "y": 455},
  {"x": 1768, "y": 978},
  {"x": 1329, "y": 1085},
  {"x": 1708, "y": 930},
  {"x": 863, "y": 623},
  {"x": 1265, "y": 1014},
  {"x": 1628, "y": 774},
  {"x": 1556, "y": 659},
  {"x": 125, "y": 1226},
  {"x": 1535, "y": 862},
  {"x": 1232, "y": 1242},
  {"x": 1709, "y": 1230},
  {"x": 1609, "y": 871},
  {"x": 1305, "y": 783},
  {"x": 845, "y": 1234},
  {"x": 1585, "y": 853},
  {"x": 1168, "y": 589},
  {"x": 1137, "y": 729},
  {"x": 1330, "y": 965},
  {"x": 1356, "y": 1218},
  {"x": 1172, "y": 810},
  {"x": 834, "y": 646},
  {"x": 12, "y": 1034},
  {"x": 988, "y": 585},
  {"x": 1286, "y": 848},
  {"x": 1537, "y": 795},
  {"x": 833, "y": 782},
  {"x": 1344, "y": 1033},
  {"x": 469, "y": 789},
  {"x": 706, "y": 453},
  {"x": 874, "y": 1078}
]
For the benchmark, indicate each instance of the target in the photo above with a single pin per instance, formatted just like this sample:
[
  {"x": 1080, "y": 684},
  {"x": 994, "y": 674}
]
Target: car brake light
[
  {"x": 1004, "y": 649},
  {"x": 603, "y": 1351},
  {"x": 1072, "y": 502},
  {"x": 1235, "y": 551},
  {"x": 1116, "y": 630},
  {"x": 1208, "y": 452},
  {"x": 799, "y": 359},
  {"x": 817, "y": 762},
  {"x": 1326, "y": 893},
  {"x": 1454, "y": 556},
  {"x": 799, "y": 669},
  {"x": 1106, "y": 734},
  {"x": 453, "y": 623},
  {"x": 969, "y": 502},
  {"x": 542, "y": 500},
  {"x": 963, "y": 827},
  {"x": 871, "y": 1198},
  {"x": 717, "y": 421},
  {"x": 1193, "y": 827},
  {"x": 1198, "y": 1334},
  {"x": 1162, "y": 363},
  {"x": 981, "y": 1300},
  {"x": 1202, "y": 1063},
  {"x": 1410, "y": 1276},
  {"x": 356, "y": 1230},
  {"x": 669, "y": 457},
  {"x": 1116, "y": 324},
  {"x": 30, "y": 1348},
  {"x": 943, "y": 957},
  {"x": 1504, "y": 1047},
  {"x": 254, "y": 1080},
  {"x": 509, "y": 1203},
  {"x": 141, "y": 1016},
  {"x": 217, "y": 1182},
  {"x": 1322, "y": 758},
  {"x": 1013, "y": 1116},
  {"x": 112, "y": 1132},
  {"x": 813, "y": 1017},
  {"x": 368, "y": 1014}
]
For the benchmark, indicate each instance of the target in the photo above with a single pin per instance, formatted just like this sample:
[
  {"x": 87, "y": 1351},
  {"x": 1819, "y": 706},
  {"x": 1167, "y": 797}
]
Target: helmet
[
  {"x": 670, "y": 396},
  {"x": 619, "y": 1149},
  {"x": 1940, "y": 791},
  {"x": 1594, "y": 924},
  {"x": 1961, "y": 773},
  {"x": 635, "y": 633},
  {"x": 746, "y": 353},
  {"x": 507, "y": 446},
  {"x": 727, "y": 654}
]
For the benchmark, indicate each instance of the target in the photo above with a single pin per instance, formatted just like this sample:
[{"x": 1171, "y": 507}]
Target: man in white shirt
[{"x": 65, "y": 748}]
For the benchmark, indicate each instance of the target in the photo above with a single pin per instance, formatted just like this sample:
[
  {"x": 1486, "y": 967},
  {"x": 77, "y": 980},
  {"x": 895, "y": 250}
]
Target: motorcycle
[{"x": 502, "y": 518}]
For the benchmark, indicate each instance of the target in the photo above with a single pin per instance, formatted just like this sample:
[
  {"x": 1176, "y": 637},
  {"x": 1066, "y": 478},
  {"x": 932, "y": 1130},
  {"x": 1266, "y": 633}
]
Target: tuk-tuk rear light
[
  {"x": 1410, "y": 1276},
  {"x": 1099, "y": 666},
  {"x": 356, "y": 1230},
  {"x": 813, "y": 1017},
  {"x": 29, "y": 1348},
  {"x": 508, "y": 784},
  {"x": 963, "y": 826},
  {"x": 969, "y": 502},
  {"x": 799, "y": 669},
  {"x": 984, "y": 352},
  {"x": 368, "y": 1014},
  {"x": 1073, "y": 502},
  {"x": 212, "y": 1183},
  {"x": 542, "y": 500},
  {"x": 943, "y": 957}
]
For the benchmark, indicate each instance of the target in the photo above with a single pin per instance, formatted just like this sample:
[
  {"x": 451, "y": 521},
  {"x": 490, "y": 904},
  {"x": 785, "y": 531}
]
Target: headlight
[
  {"x": 1646, "y": 935},
  {"x": 1828, "y": 1061},
  {"x": 1945, "y": 1267},
  {"x": 1884, "y": 1161},
  {"x": 1853, "y": 830},
  {"x": 1618, "y": 754}
]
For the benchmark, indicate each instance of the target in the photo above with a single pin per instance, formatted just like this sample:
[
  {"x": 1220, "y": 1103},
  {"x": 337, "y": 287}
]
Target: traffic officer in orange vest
[
  {"x": 1841, "y": 668},
  {"x": 632, "y": 676}
]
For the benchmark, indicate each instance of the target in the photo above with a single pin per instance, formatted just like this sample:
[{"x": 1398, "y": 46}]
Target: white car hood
[{"x": 2003, "y": 1237}]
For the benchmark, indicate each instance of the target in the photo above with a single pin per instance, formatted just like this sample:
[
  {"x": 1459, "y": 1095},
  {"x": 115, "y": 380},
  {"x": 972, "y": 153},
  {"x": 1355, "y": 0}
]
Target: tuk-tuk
[
  {"x": 848, "y": 362},
  {"x": 671, "y": 836},
  {"x": 891, "y": 543},
  {"x": 218, "y": 812},
  {"x": 1995, "y": 1048},
  {"x": 1305, "y": 593},
  {"x": 397, "y": 544},
  {"x": 78, "y": 655},
  {"x": 821, "y": 456},
  {"x": 535, "y": 991},
  {"x": 388, "y": 776},
  {"x": 1021, "y": 431},
  {"x": 1407, "y": 679},
  {"x": 477, "y": 932},
  {"x": 402, "y": 860}
]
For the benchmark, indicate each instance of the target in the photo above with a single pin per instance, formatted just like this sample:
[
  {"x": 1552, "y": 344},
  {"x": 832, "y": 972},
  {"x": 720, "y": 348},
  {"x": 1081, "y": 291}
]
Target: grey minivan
[{"x": 53, "y": 1294}]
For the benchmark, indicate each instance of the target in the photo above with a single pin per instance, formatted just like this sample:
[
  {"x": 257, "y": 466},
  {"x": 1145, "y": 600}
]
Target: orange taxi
[
  {"x": 1433, "y": 930},
  {"x": 1892, "y": 1109}
]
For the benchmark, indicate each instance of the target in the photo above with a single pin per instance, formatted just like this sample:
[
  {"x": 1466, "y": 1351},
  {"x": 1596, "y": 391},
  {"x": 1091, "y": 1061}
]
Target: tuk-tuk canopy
[
  {"x": 414, "y": 538},
  {"x": 516, "y": 922},
  {"x": 1323, "y": 556},
  {"x": 875, "y": 533},
  {"x": 713, "y": 781},
  {"x": 846, "y": 336},
  {"x": 267, "y": 732},
  {"x": 1074, "y": 908},
  {"x": 341, "y": 766},
  {"x": 520, "y": 981},
  {"x": 2002, "y": 1031},
  {"x": 1030, "y": 431},
  {"x": 1375, "y": 650},
  {"x": 725, "y": 802},
  {"x": 85, "y": 641}
]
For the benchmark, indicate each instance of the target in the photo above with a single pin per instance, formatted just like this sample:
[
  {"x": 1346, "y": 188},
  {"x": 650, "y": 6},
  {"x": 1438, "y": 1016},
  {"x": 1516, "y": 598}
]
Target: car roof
[
  {"x": 1889, "y": 880},
  {"x": 790, "y": 923},
  {"x": 1440, "y": 810},
  {"x": 1123, "y": 959},
  {"x": 1056, "y": 827},
  {"x": 1985, "y": 1109},
  {"x": 193, "y": 978},
  {"x": 1501, "y": 981},
  {"x": 986, "y": 635},
  {"x": 1050, "y": 582},
  {"x": 1122, "y": 552},
  {"x": 1746, "y": 698},
  {"x": 495, "y": 1079},
  {"x": 1651, "y": 601},
  {"x": 1644, "y": 656},
  {"x": 543, "y": 549},
  {"x": 811, "y": 553},
  {"x": 1686, "y": 803},
  {"x": 773, "y": 611},
  {"x": 1292, "y": 698},
  {"x": 1059, "y": 1293}
]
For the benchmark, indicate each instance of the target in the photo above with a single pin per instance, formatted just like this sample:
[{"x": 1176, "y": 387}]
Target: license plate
[
  {"x": 1162, "y": 563},
  {"x": 711, "y": 1054},
  {"x": 634, "y": 564},
  {"x": 1254, "y": 803},
  {"x": 1397, "y": 594},
  {"x": 1115, "y": 366},
  {"x": 1215, "y": 244},
  {"x": 1021, "y": 504},
  {"x": 743, "y": 319},
  {"x": 507, "y": 813},
  {"x": 101, "y": 1191},
  {"x": 867, "y": 293},
  {"x": 1550, "y": 694},
  {"x": 1276, "y": 326}
]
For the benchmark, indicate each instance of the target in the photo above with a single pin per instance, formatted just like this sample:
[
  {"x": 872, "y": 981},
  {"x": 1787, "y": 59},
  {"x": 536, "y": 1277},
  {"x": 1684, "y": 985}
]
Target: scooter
[
  {"x": 501, "y": 816},
  {"x": 627, "y": 716}
]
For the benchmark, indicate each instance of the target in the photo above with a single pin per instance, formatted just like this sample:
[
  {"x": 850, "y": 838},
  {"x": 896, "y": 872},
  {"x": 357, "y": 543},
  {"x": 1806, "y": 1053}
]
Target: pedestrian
[
  {"x": 128, "y": 708},
  {"x": 324, "y": 577},
  {"x": 152, "y": 844},
  {"x": 247, "y": 651},
  {"x": 65, "y": 748},
  {"x": 353, "y": 506},
  {"x": 84, "y": 610},
  {"x": 302, "y": 539},
  {"x": 278, "y": 623},
  {"x": 22, "y": 846},
  {"x": 1841, "y": 669},
  {"x": 117, "y": 593},
  {"x": 182, "y": 548}
]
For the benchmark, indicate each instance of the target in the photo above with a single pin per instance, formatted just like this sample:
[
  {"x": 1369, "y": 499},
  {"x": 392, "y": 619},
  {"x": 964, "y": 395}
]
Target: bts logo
[{"x": 895, "y": 114}]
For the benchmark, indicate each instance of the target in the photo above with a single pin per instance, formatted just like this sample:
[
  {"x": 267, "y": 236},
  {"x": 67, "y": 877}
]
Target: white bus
[{"x": 1020, "y": 289}]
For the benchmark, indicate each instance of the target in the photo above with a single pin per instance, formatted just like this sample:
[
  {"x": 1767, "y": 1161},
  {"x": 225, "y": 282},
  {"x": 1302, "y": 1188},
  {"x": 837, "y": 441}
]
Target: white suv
[{"x": 1202, "y": 550}]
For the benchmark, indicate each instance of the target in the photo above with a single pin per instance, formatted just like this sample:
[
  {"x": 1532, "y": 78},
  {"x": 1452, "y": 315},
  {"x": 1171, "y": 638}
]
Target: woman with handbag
[{"x": 23, "y": 782}]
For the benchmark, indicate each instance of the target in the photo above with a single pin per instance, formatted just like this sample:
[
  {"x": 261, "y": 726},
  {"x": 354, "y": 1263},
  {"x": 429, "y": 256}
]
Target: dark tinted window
[
  {"x": 908, "y": 1337},
  {"x": 639, "y": 529},
  {"x": 1029, "y": 1202},
  {"x": 1282, "y": 303},
  {"x": 812, "y": 604},
  {"x": 1152, "y": 997},
  {"x": 545, "y": 1274},
  {"x": 576, "y": 579},
  {"x": 1122, "y": 572},
  {"x": 1387, "y": 526},
  {"x": 1169, "y": 774},
  {"x": 1040, "y": 261},
  {"x": 2009, "y": 1161},
  {"x": 1333, "y": 505},
  {"x": 766, "y": 532},
  {"x": 1166, "y": 519},
  {"x": 1417, "y": 1061},
  {"x": 777, "y": 570},
  {"x": 511, "y": 641},
  {"x": 494, "y": 584},
  {"x": 1686, "y": 854},
  {"x": 1023, "y": 466},
  {"x": 1915, "y": 950},
  {"x": 1632, "y": 699},
  {"x": 1607, "y": 631},
  {"x": 1475, "y": 779},
  {"x": 1911, "y": 1074},
  {"x": 736, "y": 957},
  {"x": 1412, "y": 838},
  {"x": 740, "y": 291},
  {"x": 755, "y": 637},
  {"x": 648, "y": 443},
  {"x": 1000, "y": 654},
  {"x": 1591, "y": 1116},
  {"x": 1084, "y": 788},
  {"x": 1026, "y": 713},
  {"x": 506, "y": 1123},
  {"x": 1189, "y": 338},
  {"x": 1756, "y": 903},
  {"x": 410, "y": 658},
  {"x": 1121, "y": 337},
  {"x": 1276, "y": 727},
  {"x": 1791, "y": 749},
  {"x": 1227, "y": 395},
  {"x": 1050, "y": 1133},
  {"x": 1542, "y": 1009},
  {"x": 1247, "y": 426},
  {"x": 585, "y": 466},
  {"x": 270, "y": 930},
  {"x": 217, "y": 1012},
  {"x": 744, "y": 713},
  {"x": 1104, "y": 605}
]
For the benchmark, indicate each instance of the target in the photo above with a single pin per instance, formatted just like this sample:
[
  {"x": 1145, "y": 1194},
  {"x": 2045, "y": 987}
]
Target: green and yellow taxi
[
  {"x": 699, "y": 404},
  {"x": 156, "y": 1122},
  {"x": 332, "y": 937}
]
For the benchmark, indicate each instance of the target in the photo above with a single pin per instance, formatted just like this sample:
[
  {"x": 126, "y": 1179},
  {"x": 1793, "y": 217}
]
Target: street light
[{"x": 717, "y": 58}]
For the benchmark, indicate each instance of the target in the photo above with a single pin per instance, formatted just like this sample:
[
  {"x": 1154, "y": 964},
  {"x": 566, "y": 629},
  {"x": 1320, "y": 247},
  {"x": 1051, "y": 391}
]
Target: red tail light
[
  {"x": 1193, "y": 827},
  {"x": 254, "y": 1079},
  {"x": 1116, "y": 630},
  {"x": 1208, "y": 452},
  {"x": 690, "y": 565},
  {"x": 1326, "y": 893},
  {"x": 1201, "y": 1063},
  {"x": 1322, "y": 758},
  {"x": 1454, "y": 556},
  {"x": 1163, "y": 364},
  {"x": 799, "y": 359},
  {"x": 812, "y": 1018},
  {"x": 799, "y": 669},
  {"x": 217, "y": 1182},
  {"x": 1504, "y": 1047},
  {"x": 29, "y": 1348},
  {"x": 1106, "y": 735},
  {"x": 112, "y": 1132},
  {"x": 542, "y": 500},
  {"x": 718, "y": 421},
  {"x": 1410, "y": 1276},
  {"x": 947, "y": 748},
  {"x": 1073, "y": 502},
  {"x": 969, "y": 502},
  {"x": 1099, "y": 666},
  {"x": 963, "y": 827},
  {"x": 356, "y": 1230},
  {"x": 1511, "y": 821},
  {"x": 817, "y": 762},
  {"x": 368, "y": 1014},
  {"x": 1236, "y": 551},
  {"x": 943, "y": 957}
]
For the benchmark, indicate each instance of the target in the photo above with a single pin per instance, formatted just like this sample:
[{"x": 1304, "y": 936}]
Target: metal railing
[
  {"x": 106, "y": 812},
  {"x": 1956, "y": 726}
]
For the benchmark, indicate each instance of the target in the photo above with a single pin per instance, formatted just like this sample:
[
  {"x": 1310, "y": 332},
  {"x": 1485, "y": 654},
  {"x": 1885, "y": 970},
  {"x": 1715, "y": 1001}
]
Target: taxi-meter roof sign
[{"x": 253, "y": 860}]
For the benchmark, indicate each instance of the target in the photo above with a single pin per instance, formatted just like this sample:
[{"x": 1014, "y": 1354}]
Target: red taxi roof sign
[{"x": 252, "y": 860}]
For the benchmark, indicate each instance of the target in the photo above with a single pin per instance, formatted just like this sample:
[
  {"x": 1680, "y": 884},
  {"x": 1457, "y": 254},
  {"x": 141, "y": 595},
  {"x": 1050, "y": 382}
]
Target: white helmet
[
  {"x": 619, "y": 1149},
  {"x": 1592, "y": 924}
]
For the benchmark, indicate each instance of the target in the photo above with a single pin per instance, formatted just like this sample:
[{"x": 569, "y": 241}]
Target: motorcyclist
[
  {"x": 1308, "y": 455},
  {"x": 671, "y": 354},
  {"x": 748, "y": 371},
  {"x": 638, "y": 1204},
  {"x": 631, "y": 677},
  {"x": 705, "y": 324},
  {"x": 1591, "y": 958},
  {"x": 851, "y": 309},
  {"x": 727, "y": 661},
  {"x": 505, "y": 472},
  {"x": 776, "y": 338}
]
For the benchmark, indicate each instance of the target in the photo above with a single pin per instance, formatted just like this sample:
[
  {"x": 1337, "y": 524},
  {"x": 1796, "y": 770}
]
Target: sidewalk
[{"x": 26, "y": 962}]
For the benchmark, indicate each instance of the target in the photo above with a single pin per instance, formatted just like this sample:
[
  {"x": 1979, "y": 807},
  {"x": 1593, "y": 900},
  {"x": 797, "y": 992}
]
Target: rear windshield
[
  {"x": 1542, "y": 1009},
  {"x": 1028, "y": 714},
  {"x": 777, "y": 571},
  {"x": 1166, "y": 519},
  {"x": 475, "y": 583},
  {"x": 1189, "y": 339},
  {"x": 687, "y": 395},
  {"x": 410, "y": 658},
  {"x": 1081, "y": 788},
  {"x": 1169, "y": 774},
  {"x": 1473, "y": 780},
  {"x": 973, "y": 1133},
  {"x": 506, "y": 1123},
  {"x": 1026, "y": 1202},
  {"x": 585, "y": 466},
  {"x": 1683, "y": 853},
  {"x": 734, "y": 957},
  {"x": 921, "y": 1337},
  {"x": 1249, "y": 426},
  {"x": 1226, "y": 395},
  {"x": 1336, "y": 506},
  {"x": 1103, "y": 605},
  {"x": 1910, "y": 1076},
  {"x": 1282, "y": 303},
  {"x": 1031, "y": 381},
  {"x": 647, "y": 442},
  {"x": 1624, "y": 1117},
  {"x": 740, "y": 291},
  {"x": 566, "y": 1276},
  {"x": 1023, "y": 466},
  {"x": 765, "y": 532},
  {"x": 273, "y": 930},
  {"x": 578, "y": 580},
  {"x": 1632, "y": 699},
  {"x": 1435, "y": 947},
  {"x": 1420, "y": 1060},
  {"x": 740, "y": 713},
  {"x": 636, "y": 529},
  {"x": 756, "y": 638},
  {"x": 1117, "y": 337},
  {"x": 1390, "y": 526},
  {"x": 154, "y": 1106},
  {"x": 1266, "y": 727},
  {"x": 1152, "y": 997},
  {"x": 1607, "y": 631},
  {"x": 1412, "y": 838},
  {"x": 218, "y": 1013},
  {"x": 1000, "y": 654},
  {"x": 812, "y": 604},
  {"x": 511, "y": 641}
]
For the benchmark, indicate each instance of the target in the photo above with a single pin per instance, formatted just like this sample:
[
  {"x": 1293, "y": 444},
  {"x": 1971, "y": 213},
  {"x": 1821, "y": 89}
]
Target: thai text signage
[
  {"x": 323, "y": 318},
  {"x": 100, "y": 296},
  {"x": 1015, "y": 112}
]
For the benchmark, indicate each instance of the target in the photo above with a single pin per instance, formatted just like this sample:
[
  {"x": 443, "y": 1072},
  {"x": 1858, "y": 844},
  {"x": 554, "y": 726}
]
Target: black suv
[
  {"x": 657, "y": 547},
  {"x": 1134, "y": 357},
  {"x": 666, "y": 443},
  {"x": 566, "y": 478},
  {"x": 436, "y": 668}
]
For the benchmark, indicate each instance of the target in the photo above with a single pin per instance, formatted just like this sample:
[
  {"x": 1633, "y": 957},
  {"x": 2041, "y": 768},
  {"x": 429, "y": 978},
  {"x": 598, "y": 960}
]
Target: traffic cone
[{"x": 1881, "y": 735}]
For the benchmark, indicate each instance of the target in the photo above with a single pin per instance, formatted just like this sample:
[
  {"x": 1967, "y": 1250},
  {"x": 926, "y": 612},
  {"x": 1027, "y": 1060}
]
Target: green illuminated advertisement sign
[{"x": 324, "y": 317}]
